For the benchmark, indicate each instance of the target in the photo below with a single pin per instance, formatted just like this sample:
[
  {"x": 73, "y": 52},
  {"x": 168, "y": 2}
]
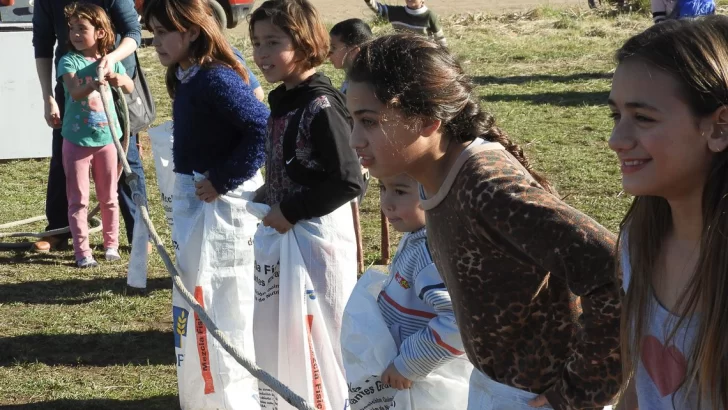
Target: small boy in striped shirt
[
  {"x": 414, "y": 301},
  {"x": 415, "y": 17}
]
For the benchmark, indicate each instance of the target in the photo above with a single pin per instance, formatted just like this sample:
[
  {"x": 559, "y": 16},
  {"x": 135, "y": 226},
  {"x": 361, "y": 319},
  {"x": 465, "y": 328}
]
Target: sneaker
[
  {"x": 112, "y": 255},
  {"x": 87, "y": 262}
]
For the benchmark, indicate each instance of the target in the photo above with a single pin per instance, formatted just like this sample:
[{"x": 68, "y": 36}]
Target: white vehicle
[{"x": 23, "y": 131}]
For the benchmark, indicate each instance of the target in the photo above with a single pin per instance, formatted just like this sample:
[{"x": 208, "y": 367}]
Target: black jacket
[{"x": 340, "y": 181}]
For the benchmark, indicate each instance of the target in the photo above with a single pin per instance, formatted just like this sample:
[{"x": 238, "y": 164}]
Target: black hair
[{"x": 352, "y": 32}]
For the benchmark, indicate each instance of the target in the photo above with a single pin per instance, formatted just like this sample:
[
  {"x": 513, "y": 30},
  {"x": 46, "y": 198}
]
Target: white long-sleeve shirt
[{"x": 418, "y": 310}]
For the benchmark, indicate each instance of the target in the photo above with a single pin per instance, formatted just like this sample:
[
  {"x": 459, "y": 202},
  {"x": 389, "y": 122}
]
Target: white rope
[{"x": 132, "y": 180}]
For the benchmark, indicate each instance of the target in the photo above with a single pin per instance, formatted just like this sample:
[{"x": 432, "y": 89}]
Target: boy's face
[
  {"x": 337, "y": 55},
  {"x": 400, "y": 200},
  {"x": 415, "y": 4}
]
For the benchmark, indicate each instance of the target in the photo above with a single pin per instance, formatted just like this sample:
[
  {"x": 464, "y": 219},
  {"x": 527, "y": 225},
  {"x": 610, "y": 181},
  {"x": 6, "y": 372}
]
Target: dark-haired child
[
  {"x": 311, "y": 172},
  {"x": 515, "y": 258},
  {"x": 415, "y": 18},
  {"x": 346, "y": 37}
]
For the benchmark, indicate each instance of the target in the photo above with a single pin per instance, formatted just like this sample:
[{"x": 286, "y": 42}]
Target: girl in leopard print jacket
[{"x": 531, "y": 279}]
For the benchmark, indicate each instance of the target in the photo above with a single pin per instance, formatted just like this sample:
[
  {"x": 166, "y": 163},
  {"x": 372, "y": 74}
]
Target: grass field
[{"x": 70, "y": 339}]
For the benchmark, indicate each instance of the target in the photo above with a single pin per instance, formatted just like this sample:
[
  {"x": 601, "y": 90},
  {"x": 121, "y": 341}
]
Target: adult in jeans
[{"x": 49, "y": 29}]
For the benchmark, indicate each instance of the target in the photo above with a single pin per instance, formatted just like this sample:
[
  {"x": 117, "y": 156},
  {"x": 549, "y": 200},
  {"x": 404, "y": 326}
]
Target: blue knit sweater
[{"x": 220, "y": 127}]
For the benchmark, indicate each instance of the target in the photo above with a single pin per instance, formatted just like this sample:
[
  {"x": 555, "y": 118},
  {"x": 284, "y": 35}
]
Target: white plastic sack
[
  {"x": 368, "y": 348},
  {"x": 302, "y": 281},
  {"x": 136, "y": 276},
  {"x": 162, "y": 139},
  {"x": 214, "y": 247}
]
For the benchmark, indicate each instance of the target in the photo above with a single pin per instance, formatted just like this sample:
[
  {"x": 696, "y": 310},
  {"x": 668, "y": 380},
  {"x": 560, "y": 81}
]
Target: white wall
[{"x": 23, "y": 131}]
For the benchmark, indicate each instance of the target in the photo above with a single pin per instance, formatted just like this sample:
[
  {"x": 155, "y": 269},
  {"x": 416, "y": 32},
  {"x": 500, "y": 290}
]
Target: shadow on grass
[
  {"x": 25, "y": 257},
  {"x": 554, "y": 78},
  {"x": 151, "y": 347},
  {"x": 560, "y": 99},
  {"x": 70, "y": 291},
  {"x": 168, "y": 402}
]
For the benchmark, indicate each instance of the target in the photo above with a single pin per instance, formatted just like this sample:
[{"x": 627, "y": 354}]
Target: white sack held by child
[
  {"x": 296, "y": 319},
  {"x": 162, "y": 139},
  {"x": 368, "y": 348},
  {"x": 214, "y": 247}
]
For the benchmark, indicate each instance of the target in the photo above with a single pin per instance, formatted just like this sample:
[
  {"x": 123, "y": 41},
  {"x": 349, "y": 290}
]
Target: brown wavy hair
[
  {"x": 423, "y": 80},
  {"x": 300, "y": 20},
  {"x": 695, "y": 53},
  {"x": 98, "y": 19},
  {"x": 209, "y": 49}
]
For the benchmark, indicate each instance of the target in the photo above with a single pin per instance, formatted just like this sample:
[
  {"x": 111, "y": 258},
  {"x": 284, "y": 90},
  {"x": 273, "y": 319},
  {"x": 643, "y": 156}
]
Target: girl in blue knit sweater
[
  {"x": 219, "y": 124},
  {"x": 218, "y": 149}
]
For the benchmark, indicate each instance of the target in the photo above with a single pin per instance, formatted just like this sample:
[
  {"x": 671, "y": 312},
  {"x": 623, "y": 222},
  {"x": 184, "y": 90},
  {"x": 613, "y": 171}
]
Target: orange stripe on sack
[
  {"x": 318, "y": 383},
  {"x": 202, "y": 346}
]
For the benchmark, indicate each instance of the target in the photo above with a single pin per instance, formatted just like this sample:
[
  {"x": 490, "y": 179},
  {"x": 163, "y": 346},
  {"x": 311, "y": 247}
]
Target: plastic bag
[
  {"x": 214, "y": 248},
  {"x": 368, "y": 348},
  {"x": 302, "y": 281},
  {"x": 162, "y": 139}
]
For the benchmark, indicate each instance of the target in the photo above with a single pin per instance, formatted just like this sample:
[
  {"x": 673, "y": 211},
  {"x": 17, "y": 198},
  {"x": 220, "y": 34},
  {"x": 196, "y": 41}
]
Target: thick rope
[
  {"x": 132, "y": 180},
  {"x": 92, "y": 219}
]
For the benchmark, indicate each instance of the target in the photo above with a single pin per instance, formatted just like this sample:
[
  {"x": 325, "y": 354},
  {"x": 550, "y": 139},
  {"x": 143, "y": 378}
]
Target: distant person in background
[
  {"x": 415, "y": 18},
  {"x": 679, "y": 9},
  {"x": 252, "y": 79},
  {"x": 254, "y": 83},
  {"x": 50, "y": 28},
  {"x": 346, "y": 38}
]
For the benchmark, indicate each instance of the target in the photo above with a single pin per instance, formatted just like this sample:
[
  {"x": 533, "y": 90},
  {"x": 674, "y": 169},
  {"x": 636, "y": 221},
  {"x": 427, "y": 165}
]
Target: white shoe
[
  {"x": 87, "y": 262},
  {"x": 112, "y": 255}
]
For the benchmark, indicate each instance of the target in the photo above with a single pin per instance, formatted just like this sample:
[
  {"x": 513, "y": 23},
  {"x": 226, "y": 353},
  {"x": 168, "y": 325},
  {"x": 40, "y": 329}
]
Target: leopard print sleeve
[{"x": 532, "y": 225}]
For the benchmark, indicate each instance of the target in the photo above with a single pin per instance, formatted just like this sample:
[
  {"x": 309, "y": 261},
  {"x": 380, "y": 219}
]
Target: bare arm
[
  {"x": 126, "y": 84},
  {"x": 44, "y": 69},
  {"x": 75, "y": 89},
  {"x": 122, "y": 81},
  {"x": 259, "y": 94},
  {"x": 125, "y": 49}
]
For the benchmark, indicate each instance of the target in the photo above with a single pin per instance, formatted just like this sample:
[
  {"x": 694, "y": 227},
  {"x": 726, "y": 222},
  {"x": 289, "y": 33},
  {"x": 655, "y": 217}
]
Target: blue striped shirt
[{"x": 418, "y": 310}]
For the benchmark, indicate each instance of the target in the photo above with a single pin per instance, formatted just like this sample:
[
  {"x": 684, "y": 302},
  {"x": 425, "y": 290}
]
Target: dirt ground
[{"x": 335, "y": 10}]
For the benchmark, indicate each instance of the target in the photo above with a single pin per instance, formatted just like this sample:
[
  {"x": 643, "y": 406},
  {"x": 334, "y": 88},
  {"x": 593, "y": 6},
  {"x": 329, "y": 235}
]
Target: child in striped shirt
[
  {"x": 414, "y": 301},
  {"x": 415, "y": 17}
]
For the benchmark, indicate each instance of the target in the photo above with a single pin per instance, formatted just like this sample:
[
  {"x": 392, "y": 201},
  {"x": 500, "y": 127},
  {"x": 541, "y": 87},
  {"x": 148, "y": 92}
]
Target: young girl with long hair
[
  {"x": 86, "y": 130},
  {"x": 669, "y": 103},
  {"x": 219, "y": 133},
  {"x": 531, "y": 278}
]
